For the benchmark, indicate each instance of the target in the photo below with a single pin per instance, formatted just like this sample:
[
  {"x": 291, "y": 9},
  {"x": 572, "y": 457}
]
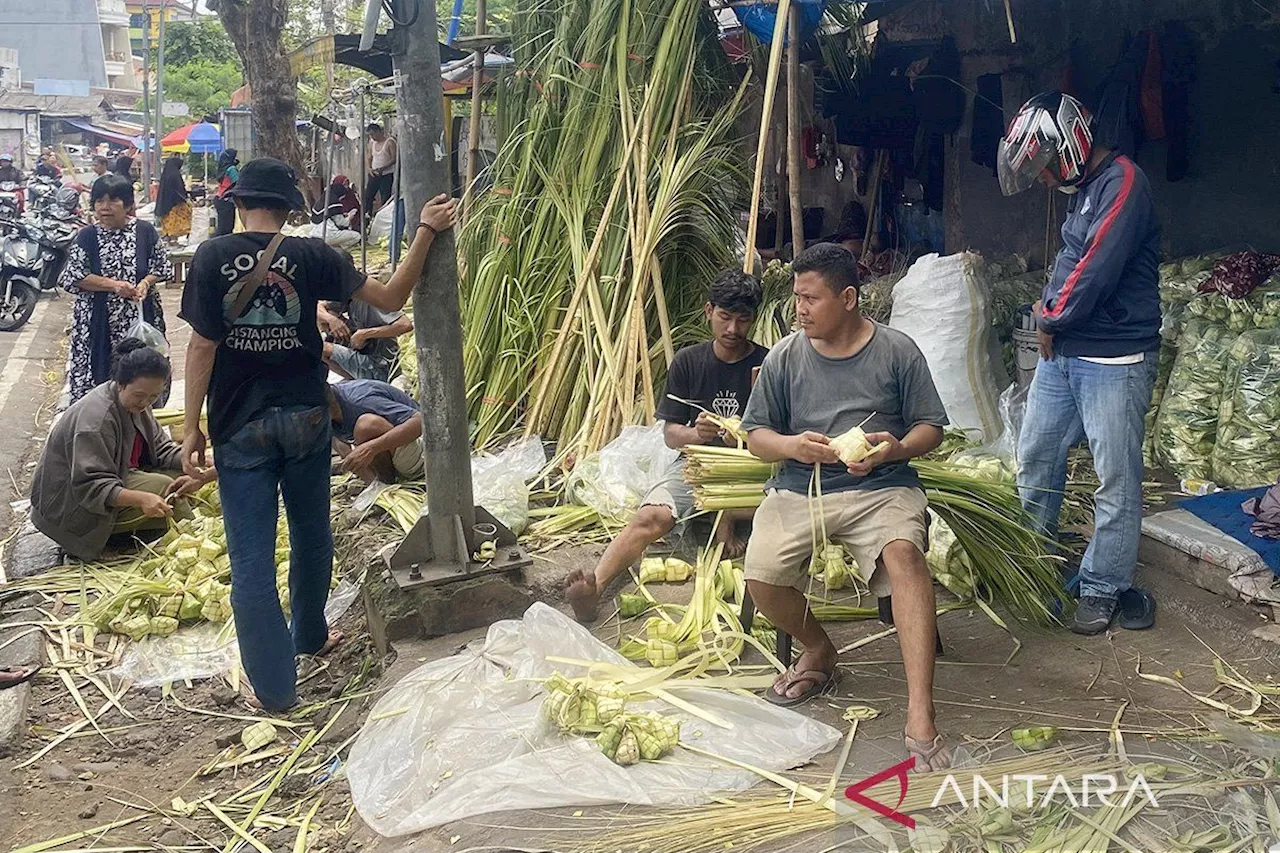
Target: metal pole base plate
[{"x": 413, "y": 564}]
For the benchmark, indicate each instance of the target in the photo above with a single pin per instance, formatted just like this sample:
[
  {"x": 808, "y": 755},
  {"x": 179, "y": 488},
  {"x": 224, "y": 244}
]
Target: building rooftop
[{"x": 52, "y": 105}]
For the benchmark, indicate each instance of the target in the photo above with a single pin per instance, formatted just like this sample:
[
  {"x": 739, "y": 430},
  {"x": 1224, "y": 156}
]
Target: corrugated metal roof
[{"x": 53, "y": 106}]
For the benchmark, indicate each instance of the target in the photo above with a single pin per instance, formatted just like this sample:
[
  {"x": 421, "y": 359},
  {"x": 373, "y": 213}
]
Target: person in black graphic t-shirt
[
  {"x": 268, "y": 413},
  {"x": 715, "y": 375}
]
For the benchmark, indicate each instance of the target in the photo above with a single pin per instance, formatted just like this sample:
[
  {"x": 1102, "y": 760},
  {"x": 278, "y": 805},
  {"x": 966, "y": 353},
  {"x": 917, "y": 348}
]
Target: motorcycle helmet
[
  {"x": 67, "y": 198},
  {"x": 1051, "y": 131}
]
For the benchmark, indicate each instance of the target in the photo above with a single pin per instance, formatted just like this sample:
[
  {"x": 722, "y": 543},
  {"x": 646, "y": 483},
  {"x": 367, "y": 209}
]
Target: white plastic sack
[
  {"x": 380, "y": 227},
  {"x": 942, "y": 304},
  {"x": 501, "y": 482},
  {"x": 615, "y": 480},
  {"x": 340, "y": 237},
  {"x": 462, "y": 736}
]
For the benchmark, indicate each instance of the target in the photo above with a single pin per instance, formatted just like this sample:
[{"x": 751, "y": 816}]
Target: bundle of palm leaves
[{"x": 611, "y": 209}]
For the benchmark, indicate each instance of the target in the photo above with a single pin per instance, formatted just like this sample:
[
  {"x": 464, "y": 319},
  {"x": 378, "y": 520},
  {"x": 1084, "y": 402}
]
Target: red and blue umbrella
[{"x": 199, "y": 138}]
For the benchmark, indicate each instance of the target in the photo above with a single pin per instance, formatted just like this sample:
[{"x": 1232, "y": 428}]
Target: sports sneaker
[{"x": 1093, "y": 614}]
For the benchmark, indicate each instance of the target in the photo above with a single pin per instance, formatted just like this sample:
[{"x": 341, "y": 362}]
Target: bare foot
[
  {"x": 13, "y": 676},
  {"x": 733, "y": 546},
  {"x": 581, "y": 593},
  {"x": 331, "y": 642}
]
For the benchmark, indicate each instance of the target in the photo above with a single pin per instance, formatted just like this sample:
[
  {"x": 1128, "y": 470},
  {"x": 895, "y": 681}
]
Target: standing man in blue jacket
[{"x": 1099, "y": 326}]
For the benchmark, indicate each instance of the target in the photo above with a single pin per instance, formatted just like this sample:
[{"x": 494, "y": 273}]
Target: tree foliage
[
  {"x": 205, "y": 85},
  {"x": 202, "y": 40}
]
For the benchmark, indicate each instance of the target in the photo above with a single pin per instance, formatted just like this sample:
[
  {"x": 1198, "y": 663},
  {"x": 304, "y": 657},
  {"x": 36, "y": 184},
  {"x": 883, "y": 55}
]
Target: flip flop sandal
[
  {"x": 309, "y": 666},
  {"x": 820, "y": 682},
  {"x": 25, "y": 673},
  {"x": 1137, "y": 609},
  {"x": 930, "y": 756}
]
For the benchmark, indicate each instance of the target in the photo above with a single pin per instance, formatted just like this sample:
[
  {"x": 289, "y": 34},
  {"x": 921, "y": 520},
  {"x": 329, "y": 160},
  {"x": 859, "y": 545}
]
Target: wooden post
[
  {"x": 779, "y": 194},
  {"x": 477, "y": 77},
  {"x": 766, "y": 116},
  {"x": 793, "y": 132},
  {"x": 873, "y": 201}
]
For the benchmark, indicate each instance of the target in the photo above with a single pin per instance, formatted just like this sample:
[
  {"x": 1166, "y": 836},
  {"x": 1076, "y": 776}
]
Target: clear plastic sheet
[
  {"x": 462, "y": 736},
  {"x": 204, "y": 650},
  {"x": 196, "y": 652},
  {"x": 1246, "y": 451},
  {"x": 615, "y": 480},
  {"x": 1012, "y": 407},
  {"x": 501, "y": 481},
  {"x": 1188, "y": 421}
]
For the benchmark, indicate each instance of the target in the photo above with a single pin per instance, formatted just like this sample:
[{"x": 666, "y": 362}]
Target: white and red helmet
[{"x": 1051, "y": 131}]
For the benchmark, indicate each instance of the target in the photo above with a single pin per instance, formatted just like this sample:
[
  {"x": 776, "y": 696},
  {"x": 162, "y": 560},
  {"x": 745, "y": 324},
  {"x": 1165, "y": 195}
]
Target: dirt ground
[
  {"x": 1076, "y": 684},
  {"x": 159, "y": 745}
]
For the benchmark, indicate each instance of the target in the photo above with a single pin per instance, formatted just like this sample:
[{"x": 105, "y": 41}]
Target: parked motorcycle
[
  {"x": 32, "y": 255},
  {"x": 40, "y": 192},
  {"x": 10, "y": 200}
]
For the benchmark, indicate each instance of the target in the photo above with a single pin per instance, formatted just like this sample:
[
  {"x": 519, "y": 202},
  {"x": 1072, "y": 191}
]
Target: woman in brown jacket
[{"x": 108, "y": 466}]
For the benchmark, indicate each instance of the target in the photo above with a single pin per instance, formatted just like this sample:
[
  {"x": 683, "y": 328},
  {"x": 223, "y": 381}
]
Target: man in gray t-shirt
[
  {"x": 361, "y": 339},
  {"x": 841, "y": 371},
  {"x": 883, "y": 387}
]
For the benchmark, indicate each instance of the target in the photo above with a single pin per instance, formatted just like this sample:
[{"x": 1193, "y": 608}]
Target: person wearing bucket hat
[{"x": 256, "y": 354}]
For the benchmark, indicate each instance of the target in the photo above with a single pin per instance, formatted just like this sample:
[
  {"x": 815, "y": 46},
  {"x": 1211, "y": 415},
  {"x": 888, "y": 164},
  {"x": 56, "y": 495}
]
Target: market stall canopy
[
  {"x": 102, "y": 132},
  {"x": 200, "y": 138}
]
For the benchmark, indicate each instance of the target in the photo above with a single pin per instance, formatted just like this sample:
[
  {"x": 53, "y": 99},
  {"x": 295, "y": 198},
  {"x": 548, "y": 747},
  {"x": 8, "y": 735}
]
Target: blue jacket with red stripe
[{"x": 1104, "y": 298}]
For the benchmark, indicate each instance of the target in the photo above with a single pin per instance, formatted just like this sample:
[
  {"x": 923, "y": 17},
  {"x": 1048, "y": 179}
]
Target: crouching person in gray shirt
[{"x": 842, "y": 370}]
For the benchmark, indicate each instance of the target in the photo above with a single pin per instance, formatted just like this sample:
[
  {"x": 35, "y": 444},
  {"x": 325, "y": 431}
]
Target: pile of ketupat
[
  {"x": 579, "y": 706},
  {"x": 611, "y": 207},
  {"x": 184, "y": 578}
]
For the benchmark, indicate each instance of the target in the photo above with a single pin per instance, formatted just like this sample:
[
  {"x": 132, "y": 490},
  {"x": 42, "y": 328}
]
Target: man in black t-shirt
[
  {"x": 268, "y": 415},
  {"x": 715, "y": 376}
]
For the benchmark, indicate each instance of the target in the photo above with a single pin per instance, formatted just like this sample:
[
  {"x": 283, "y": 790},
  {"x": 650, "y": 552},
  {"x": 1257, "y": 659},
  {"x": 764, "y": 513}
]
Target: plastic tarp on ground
[{"x": 463, "y": 736}]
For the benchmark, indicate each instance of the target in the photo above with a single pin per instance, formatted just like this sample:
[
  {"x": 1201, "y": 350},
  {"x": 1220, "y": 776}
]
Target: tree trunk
[{"x": 255, "y": 28}]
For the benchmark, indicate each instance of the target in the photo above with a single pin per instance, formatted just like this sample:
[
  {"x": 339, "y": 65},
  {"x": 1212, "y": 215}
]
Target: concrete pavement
[{"x": 32, "y": 364}]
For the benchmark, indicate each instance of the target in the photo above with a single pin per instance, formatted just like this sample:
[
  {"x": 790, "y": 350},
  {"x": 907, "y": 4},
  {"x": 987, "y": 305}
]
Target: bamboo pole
[
  {"x": 873, "y": 202},
  {"x": 779, "y": 193},
  {"x": 793, "y": 132},
  {"x": 766, "y": 116},
  {"x": 477, "y": 78}
]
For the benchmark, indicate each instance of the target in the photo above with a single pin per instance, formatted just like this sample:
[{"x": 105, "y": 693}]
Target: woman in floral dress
[{"x": 112, "y": 269}]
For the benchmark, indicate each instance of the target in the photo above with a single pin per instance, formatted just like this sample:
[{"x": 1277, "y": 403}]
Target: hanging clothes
[
  {"x": 1151, "y": 94},
  {"x": 1117, "y": 122},
  {"x": 988, "y": 121},
  {"x": 1178, "y": 74}
]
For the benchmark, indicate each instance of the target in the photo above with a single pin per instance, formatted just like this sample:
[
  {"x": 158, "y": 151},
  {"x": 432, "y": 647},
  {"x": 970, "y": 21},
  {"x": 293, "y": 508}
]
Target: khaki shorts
[
  {"x": 408, "y": 460},
  {"x": 781, "y": 543},
  {"x": 673, "y": 492}
]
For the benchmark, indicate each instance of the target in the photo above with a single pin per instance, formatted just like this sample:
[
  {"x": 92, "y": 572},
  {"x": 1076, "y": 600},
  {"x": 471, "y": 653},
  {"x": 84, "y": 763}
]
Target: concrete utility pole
[{"x": 436, "y": 315}]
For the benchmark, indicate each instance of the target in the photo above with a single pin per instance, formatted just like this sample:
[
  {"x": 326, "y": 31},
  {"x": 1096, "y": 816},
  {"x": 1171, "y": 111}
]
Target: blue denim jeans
[
  {"x": 1071, "y": 399},
  {"x": 286, "y": 451}
]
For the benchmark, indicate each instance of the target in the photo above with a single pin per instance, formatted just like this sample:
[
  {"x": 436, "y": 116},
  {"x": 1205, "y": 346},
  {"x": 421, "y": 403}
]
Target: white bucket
[{"x": 1026, "y": 353}]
